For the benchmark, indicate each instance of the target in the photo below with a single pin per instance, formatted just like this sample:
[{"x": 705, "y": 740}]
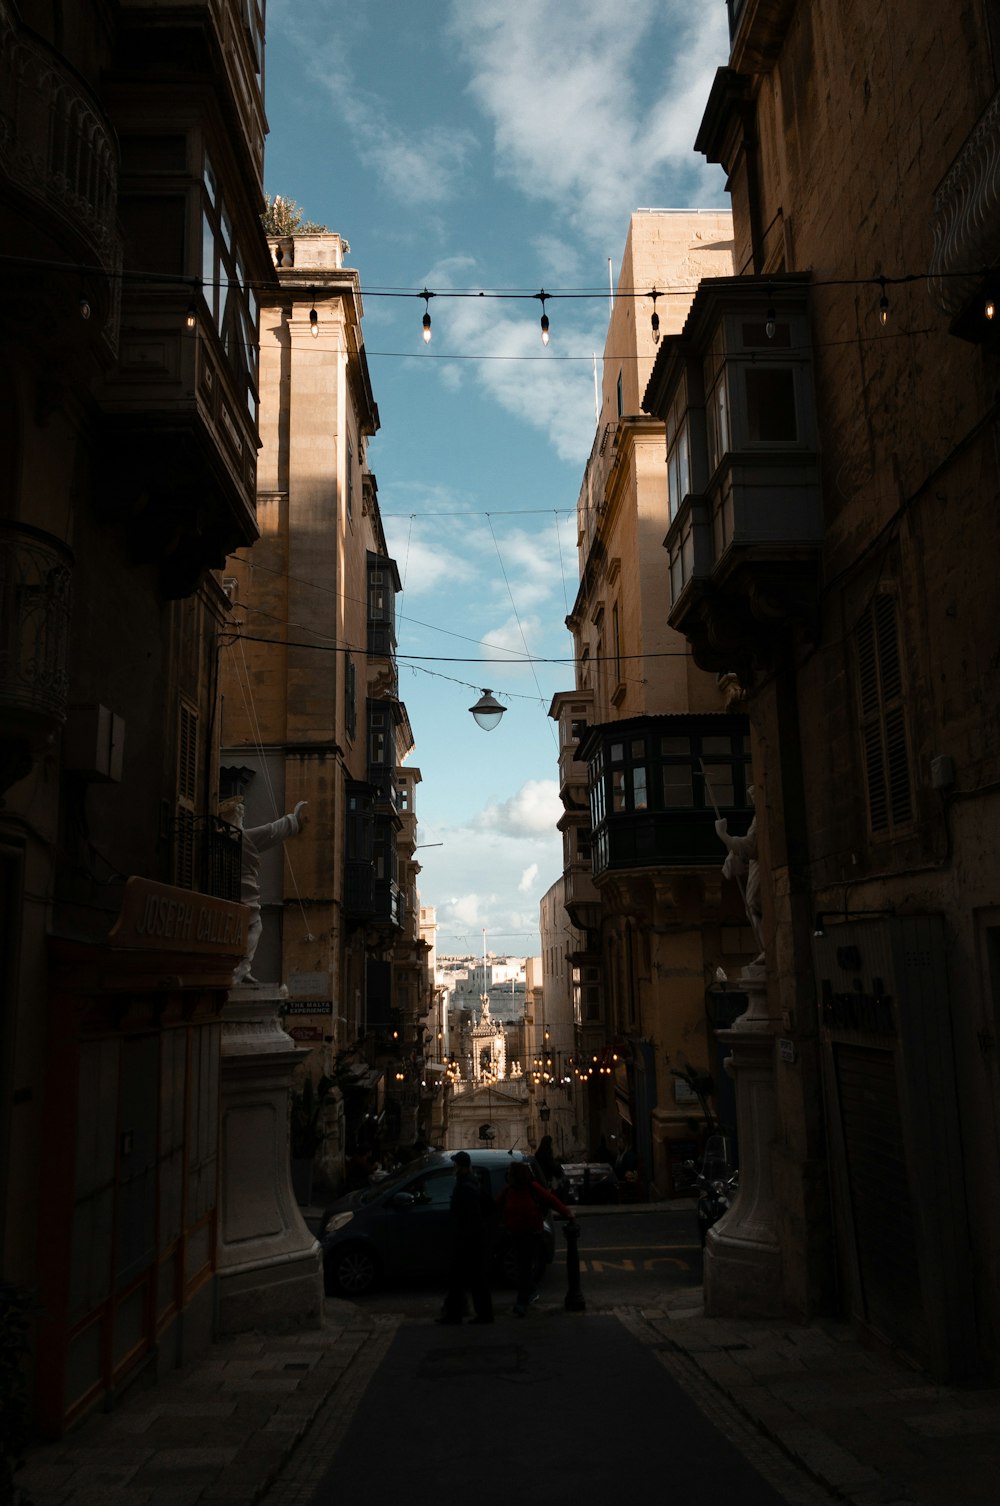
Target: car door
[{"x": 420, "y": 1224}]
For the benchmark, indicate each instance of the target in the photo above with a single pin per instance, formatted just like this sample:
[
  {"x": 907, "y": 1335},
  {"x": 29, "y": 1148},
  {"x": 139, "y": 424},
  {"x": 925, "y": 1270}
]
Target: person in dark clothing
[
  {"x": 470, "y": 1215},
  {"x": 522, "y": 1206},
  {"x": 548, "y": 1162}
]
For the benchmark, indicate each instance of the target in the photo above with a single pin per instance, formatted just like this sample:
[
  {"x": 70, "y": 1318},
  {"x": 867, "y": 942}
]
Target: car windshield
[{"x": 399, "y": 1176}]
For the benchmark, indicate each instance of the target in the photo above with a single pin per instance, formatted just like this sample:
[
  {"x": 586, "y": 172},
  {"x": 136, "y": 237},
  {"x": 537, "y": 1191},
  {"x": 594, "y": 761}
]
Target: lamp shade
[{"x": 487, "y": 711}]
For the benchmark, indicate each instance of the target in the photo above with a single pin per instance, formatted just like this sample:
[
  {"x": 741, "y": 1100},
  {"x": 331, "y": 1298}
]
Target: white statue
[
  {"x": 742, "y": 865},
  {"x": 255, "y": 841}
]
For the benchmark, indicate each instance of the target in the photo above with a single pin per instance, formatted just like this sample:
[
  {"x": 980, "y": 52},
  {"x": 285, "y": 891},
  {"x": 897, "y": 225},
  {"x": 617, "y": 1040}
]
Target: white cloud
[
  {"x": 528, "y": 878},
  {"x": 560, "y": 87},
  {"x": 419, "y": 166},
  {"x": 533, "y": 809}
]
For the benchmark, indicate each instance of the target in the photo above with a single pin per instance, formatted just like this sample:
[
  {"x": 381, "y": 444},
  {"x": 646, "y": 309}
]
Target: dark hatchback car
[{"x": 400, "y": 1227}]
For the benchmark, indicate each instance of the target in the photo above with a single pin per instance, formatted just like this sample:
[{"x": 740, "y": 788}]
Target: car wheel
[{"x": 352, "y": 1271}]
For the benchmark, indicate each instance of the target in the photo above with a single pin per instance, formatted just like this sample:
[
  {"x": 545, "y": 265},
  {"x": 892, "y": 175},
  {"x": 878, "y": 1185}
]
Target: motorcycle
[{"x": 716, "y": 1181}]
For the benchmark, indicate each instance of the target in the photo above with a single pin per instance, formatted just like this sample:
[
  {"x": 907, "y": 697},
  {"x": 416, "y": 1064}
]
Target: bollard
[{"x": 575, "y": 1302}]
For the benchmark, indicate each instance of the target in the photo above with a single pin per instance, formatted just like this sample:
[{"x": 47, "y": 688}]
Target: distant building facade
[{"x": 649, "y": 746}]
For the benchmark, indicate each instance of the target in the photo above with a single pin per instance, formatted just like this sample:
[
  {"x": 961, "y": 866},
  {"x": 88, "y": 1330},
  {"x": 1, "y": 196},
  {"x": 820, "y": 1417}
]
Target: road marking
[
  {"x": 598, "y": 1267},
  {"x": 681, "y": 1265}
]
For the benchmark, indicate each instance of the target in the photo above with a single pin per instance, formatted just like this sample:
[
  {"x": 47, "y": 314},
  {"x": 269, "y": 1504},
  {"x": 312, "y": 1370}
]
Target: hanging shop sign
[{"x": 163, "y": 918}]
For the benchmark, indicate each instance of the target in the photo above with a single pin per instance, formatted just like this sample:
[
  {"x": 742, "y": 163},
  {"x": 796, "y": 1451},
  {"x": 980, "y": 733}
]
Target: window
[
  {"x": 187, "y": 795},
  {"x": 678, "y": 452},
  {"x": 883, "y": 724},
  {"x": 616, "y": 643},
  {"x": 350, "y": 478},
  {"x": 621, "y": 396},
  {"x": 231, "y": 300},
  {"x": 350, "y": 696},
  {"x": 718, "y": 421},
  {"x": 770, "y": 394}
]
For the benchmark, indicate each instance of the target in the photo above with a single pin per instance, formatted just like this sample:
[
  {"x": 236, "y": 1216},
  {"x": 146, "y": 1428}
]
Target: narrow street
[{"x": 629, "y": 1256}]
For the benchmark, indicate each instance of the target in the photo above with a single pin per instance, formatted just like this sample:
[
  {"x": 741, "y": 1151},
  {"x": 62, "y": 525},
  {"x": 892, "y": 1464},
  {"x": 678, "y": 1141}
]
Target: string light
[
  {"x": 883, "y": 305},
  {"x": 545, "y": 318},
  {"x": 772, "y": 318},
  {"x": 654, "y": 318},
  {"x": 990, "y": 309},
  {"x": 84, "y": 308},
  {"x": 314, "y": 323},
  {"x": 427, "y": 296}
]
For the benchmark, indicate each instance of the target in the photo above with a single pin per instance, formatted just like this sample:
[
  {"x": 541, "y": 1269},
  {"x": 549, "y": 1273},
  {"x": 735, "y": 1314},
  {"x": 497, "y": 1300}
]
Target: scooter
[{"x": 717, "y": 1182}]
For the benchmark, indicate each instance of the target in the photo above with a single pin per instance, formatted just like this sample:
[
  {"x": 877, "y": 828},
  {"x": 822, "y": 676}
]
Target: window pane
[
  {"x": 638, "y": 747},
  {"x": 616, "y": 752},
  {"x": 639, "y": 789},
  {"x": 618, "y": 791},
  {"x": 720, "y": 784},
  {"x": 716, "y": 745},
  {"x": 679, "y": 747},
  {"x": 770, "y": 405},
  {"x": 677, "y": 787}
]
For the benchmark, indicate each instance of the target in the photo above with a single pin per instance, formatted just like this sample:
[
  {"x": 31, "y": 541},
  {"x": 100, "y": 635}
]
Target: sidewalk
[
  {"x": 858, "y": 1425},
  {"x": 872, "y": 1430}
]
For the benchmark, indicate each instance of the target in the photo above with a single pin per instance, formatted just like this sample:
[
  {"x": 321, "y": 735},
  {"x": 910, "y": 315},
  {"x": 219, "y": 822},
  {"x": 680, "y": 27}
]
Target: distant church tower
[{"x": 489, "y": 1047}]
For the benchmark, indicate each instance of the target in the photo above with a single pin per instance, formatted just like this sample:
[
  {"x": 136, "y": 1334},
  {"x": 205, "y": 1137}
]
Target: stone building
[
  {"x": 835, "y": 551},
  {"x": 130, "y": 187},
  {"x": 648, "y": 745},
  {"x": 311, "y": 707}
]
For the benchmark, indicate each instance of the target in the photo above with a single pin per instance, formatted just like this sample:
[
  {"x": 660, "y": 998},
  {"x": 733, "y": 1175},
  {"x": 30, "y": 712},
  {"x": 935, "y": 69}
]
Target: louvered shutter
[
  {"x": 187, "y": 793},
  {"x": 883, "y": 722}
]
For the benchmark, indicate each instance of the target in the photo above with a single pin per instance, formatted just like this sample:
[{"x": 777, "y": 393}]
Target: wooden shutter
[
  {"x": 187, "y": 795},
  {"x": 883, "y": 721}
]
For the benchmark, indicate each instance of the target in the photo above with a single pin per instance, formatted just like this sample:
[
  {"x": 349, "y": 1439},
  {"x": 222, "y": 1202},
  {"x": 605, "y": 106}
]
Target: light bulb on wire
[
  {"x": 427, "y": 296},
  {"x": 883, "y": 305},
  {"x": 772, "y": 318},
  {"x": 654, "y": 318},
  {"x": 545, "y": 318},
  {"x": 314, "y": 323}
]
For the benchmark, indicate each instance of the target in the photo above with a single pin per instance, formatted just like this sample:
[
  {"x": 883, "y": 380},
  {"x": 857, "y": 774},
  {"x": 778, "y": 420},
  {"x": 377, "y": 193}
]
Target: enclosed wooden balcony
[{"x": 735, "y": 391}]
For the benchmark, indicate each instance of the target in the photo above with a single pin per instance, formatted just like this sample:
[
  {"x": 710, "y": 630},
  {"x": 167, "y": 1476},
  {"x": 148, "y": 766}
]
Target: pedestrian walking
[
  {"x": 472, "y": 1211},
  {"x": 522, "y": 1206},
  {"x": 548, "y": 1162}
]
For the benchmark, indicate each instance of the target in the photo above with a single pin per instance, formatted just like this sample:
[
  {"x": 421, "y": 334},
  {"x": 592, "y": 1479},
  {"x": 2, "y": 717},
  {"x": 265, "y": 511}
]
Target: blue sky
[{"x": 485, "y": 145}]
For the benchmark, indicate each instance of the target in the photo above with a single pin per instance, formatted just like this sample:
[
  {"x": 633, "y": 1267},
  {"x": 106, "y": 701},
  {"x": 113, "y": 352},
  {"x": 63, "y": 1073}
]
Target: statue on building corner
[
  {"x": 257, "y": 840},
  {"x": 742, "y": 864}
]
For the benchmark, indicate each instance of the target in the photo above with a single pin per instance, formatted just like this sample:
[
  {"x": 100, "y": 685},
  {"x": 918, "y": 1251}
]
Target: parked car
[{"x": 401, "y": 1226}]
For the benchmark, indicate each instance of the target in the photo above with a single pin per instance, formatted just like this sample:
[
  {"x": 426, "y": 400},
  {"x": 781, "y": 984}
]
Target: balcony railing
[
  {"x": 967, "y": 216},
  {"x": 35, "y": 603},
  {"x": 55, "y": 144}
]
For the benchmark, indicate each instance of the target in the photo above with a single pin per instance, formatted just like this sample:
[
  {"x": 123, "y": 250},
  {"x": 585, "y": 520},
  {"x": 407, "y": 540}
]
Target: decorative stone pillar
[
  {"x": 270, "y": 1274},
  {"x": 742, "y": 1253}
]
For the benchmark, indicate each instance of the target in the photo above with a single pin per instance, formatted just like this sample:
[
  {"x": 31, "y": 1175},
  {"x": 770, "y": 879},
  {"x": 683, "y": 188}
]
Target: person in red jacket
[{"x": 522, "y": 1206}]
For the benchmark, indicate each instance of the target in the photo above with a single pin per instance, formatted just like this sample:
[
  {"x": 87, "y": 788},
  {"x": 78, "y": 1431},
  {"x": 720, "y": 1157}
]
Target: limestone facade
[
  {"x": 860, "y": 147},
  {"x": 642, "y": 863},
  {"x": 130, "y": 188}
]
